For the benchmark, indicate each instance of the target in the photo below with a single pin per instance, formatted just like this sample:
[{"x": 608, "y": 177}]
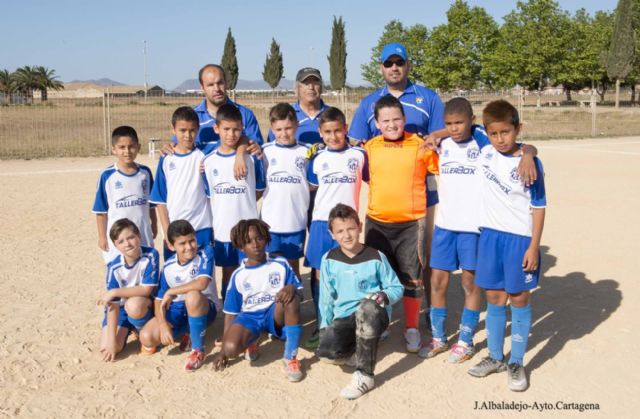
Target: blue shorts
[
  {"x": 178, "y": 318},
  {"x": 289, "y": 245},
  {"x": 123, "y": 319},
  {"x": 204, "y": 237},
  {"x": 432, "y": 190},
  {"x": 451, "y": 250},
  {"x": 263, "y": 321},
  {"x": 319, "y": 243},
  {"x": 499, "y": 266},
  {"x": 224, "y": 254}
]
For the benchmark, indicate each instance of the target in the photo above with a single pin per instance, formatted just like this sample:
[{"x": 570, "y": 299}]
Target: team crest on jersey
[
  {"x": 325, "y": 166},
  {"x": 300, "y": 162},
  {"x": 273, "y": 161},
  {"x": 419, "y": 100},
  {"x": 143, "y": 184},
  {"x": 362, "y": 285},
  {"x": 215, "y": 172},
  {"x": 274, "y": 279},
  {"x": 513, "y": 176},
  {"x": 172, "y": 166},
  {"x": 194, "y": 270},
  {"x": 246, "y": 285},
  {"x": 472, "y": 154},
  {"x": 123, "y": 281},
  {"x": 118, "y": 185},
  {"x": 446, "y": 153},
  {"x": 179, "y": 280},
  {"x": 352, "y": 164}
]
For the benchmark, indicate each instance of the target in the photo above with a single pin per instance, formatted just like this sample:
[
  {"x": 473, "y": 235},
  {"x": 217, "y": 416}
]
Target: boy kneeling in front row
[{"x": 358, "y": 287}]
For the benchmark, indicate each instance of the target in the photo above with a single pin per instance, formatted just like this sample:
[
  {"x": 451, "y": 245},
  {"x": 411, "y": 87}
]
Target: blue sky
[{"x": 90, "y": 40}]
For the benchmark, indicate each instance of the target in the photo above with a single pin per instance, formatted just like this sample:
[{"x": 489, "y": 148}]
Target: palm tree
[
  {"x": 7, "y": 84},
  {"x": 26, "y": 81},
  {"x": 46, "y": 79}
]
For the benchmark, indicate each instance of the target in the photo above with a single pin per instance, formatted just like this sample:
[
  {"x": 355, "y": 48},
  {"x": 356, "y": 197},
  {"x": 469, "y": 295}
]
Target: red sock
[{"x": 411, "y": 311}]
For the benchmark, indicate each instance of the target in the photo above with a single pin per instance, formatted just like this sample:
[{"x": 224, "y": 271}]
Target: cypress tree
[
  {"x": 229, "y": 61},
  {"x": 273, "y": 67},
  {"x": 338, "y": 54}
]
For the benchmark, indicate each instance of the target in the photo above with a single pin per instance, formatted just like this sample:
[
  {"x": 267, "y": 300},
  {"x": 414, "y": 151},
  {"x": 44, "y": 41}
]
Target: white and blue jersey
[
  {"x": 180, "y": 186},
  {"x": 253, "y": 289},
  {"x": 173, "y": 275},
  {"x": 207, "y": 135},
  {"x": 460, "y": 182},
  {"x": 144, "y": 272},
  {"x": 231, "y": 200},
  {"x": 285, "y": 201},
  {"x": 120, "y": 195},
  {"x": 338, "y": 174},
  {"x": 423, "y": 110},
  {"x": 308, "y": 131},
  {"x": 506, "y": 202}
]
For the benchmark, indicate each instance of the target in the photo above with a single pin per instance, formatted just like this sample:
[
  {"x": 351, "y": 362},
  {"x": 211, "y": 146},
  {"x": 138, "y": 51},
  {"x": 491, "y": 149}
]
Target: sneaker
[
  {"x": 516, "y": 377},
  {"x": 313, "y": 342},
  {"x": 360, "y": 384},
  {"x": 433, "y": 348},
  {"x": 144, "y": 350},
  {"x": 185, "y": 342},
  {"x": 487, "y": 366},
  {"x": 194, "y": 361},
  {"x": 413, "y": 340},
  {"x": 292, "y": 367},
  {"x": 251, "y": 353},
  {"x": 460, "y": 352}
]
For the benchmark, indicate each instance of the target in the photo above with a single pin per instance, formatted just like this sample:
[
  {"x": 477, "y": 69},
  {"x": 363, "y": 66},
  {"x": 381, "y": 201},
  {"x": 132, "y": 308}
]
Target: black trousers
[{"x": 359, "y": 333}]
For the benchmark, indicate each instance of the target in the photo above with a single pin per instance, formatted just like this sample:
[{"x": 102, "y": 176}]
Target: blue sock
[
  {"x": 520, "y": 327},
  {"x": 438, "y": 317},
  {"x": 292, "y": 334},
  {"x": 468, "y": 325},
  {"x": 198, "y": 329},
  {"x": 139, "y": 323},
  {"x": 496, "y": 322}
]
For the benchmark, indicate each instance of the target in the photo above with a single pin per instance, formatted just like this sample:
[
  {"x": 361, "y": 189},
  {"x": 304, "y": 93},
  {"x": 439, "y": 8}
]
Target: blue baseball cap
[{"x": 394, "y": 48}]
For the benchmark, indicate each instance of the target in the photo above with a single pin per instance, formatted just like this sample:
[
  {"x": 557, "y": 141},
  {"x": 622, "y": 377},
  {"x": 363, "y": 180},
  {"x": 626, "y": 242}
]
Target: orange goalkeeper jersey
[{"x": 397, "y": 178}]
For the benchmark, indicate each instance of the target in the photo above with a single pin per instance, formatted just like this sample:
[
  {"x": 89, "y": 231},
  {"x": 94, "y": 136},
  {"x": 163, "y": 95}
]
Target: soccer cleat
[
  {"x": 433, "y": 348},
  {"x": 360, "y": 384},
  {"x": 292, "y": 367},
  {"x": 313, "y": 342},
  {"x": 194, "y": 361},
  {"x": 517, "y": 377},
  {"x": 413, "y": 340},
  {"x": 251, "y": 353},
  {"x": 144, "y": 350},
  {"x": 185, "y": 342},
  {"x": 460, "y": 352},
  {"x": 487, "y": 366}
]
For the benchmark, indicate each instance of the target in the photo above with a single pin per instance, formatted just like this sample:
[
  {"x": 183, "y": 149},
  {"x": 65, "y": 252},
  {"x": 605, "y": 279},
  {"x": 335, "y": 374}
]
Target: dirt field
[{"x": 581, "y": 349}]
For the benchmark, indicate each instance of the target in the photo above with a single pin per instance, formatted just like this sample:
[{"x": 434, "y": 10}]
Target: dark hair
[
  {"x": 121, "y": 225},
  {"x": 179, "y": 228},
  {"x": 124, "y": 131},
  {"x": 344, "y": 212},
  {"x": 207, "y": 66},
  {"x": 332, "y": 114},
  {"x": 185, "y": 113},
  {"x": 460, "y": 106},
  {"x": 228, "y": 112},
  {"x": 282, "y": 112},
  {"x": 500, "y": 111},
  {"x": 240, "y": 232},
  {"x": 387, "y": 101}
]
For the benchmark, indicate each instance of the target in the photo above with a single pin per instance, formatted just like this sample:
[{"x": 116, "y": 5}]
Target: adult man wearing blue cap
[{"x": 424, "y": 114}]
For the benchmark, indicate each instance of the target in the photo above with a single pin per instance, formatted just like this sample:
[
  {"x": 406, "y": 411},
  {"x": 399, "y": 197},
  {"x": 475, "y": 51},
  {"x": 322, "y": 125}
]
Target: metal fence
[{"x": 30, "y": 128}]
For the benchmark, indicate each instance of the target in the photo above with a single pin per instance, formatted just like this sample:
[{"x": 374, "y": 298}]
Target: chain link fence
[{"x": 30, "y": 128}]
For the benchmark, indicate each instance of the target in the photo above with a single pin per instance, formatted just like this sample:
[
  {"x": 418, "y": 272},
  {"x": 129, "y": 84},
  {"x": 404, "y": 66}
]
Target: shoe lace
[
  {"x": 514, "y": 369},
  {"x": 293, "y": 365}
]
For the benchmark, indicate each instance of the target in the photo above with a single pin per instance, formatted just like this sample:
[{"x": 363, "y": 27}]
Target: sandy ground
[{"x": 581, "y": 348}]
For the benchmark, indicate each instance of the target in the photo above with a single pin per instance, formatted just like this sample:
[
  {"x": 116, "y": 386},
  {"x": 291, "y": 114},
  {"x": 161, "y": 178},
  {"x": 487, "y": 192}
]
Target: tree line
[{"x": 27, "y": 80}]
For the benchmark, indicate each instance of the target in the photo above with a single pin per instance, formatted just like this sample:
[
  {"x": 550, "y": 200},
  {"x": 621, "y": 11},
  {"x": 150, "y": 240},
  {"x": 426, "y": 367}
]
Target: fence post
[
  {"x": 105, "y": 131},
  {"x": 521, "y": 103},
  {"x": 593, "y": 113},
  {"x": 108, "y": 113}
]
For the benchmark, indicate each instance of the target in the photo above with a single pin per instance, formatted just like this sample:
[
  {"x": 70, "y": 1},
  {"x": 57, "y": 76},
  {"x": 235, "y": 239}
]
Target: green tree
[
  {"x": 413, "y": 39},
  {"x": 621, "y": 54},
  {"x": 273, "y": 67},
  {"x": 229, "y": 61},
  {"x": 457, "y": 49},
  {"x": 529, "y": 51},
  {"x": 338, "y": 54},
  {"x": 46, "y": 79},
  {"x": 26, "y": 81},
  {"x": 7, "y": 84}
]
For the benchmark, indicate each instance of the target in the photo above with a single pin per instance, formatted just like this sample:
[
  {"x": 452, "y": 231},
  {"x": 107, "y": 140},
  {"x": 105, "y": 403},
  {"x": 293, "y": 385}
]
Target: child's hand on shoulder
[
  {"x": 168, "y": 149},
  {"x": 431, "y": 142},
  {"x": 286, "y": 294},
  {"x": 254, "y": 149},
  {"x": 530, "y": 260}
]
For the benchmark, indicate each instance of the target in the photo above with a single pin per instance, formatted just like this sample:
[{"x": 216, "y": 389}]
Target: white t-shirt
[
  {"x": 143, "y": 272},
  {"x": 286, "y": 197},
  {"x": 231, "y": 200}
]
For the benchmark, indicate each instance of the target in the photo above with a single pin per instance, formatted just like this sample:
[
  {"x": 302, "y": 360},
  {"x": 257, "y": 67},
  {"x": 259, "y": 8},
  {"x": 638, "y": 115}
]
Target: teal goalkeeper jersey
[{"x": 345, "y": 281}]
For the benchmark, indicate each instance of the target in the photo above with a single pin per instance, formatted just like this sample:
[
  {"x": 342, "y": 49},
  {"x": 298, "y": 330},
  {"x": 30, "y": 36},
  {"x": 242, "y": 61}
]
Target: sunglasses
[{"x": 390, "y": 63}]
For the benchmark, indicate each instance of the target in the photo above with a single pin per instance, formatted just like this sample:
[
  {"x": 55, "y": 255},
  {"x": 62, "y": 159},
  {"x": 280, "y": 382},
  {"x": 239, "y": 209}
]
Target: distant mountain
[
  {"x": 193, "y": 84},
  {"x": 100, "y": 82}
]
